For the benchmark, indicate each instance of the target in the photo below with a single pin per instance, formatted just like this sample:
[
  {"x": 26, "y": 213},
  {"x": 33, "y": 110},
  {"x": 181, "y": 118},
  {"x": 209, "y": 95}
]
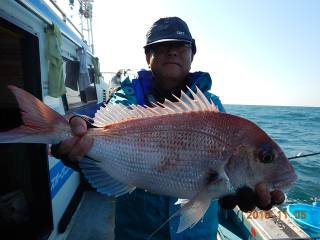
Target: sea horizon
[{"x": 263, "y": 105}]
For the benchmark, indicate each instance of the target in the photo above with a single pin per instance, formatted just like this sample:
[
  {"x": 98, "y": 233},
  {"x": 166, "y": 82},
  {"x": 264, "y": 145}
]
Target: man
[
  {"x": 169, "y": 51},
  {"x": 116, "y": 79}
]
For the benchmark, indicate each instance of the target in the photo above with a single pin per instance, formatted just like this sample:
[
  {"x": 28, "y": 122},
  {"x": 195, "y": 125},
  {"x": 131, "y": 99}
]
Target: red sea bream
[{"x": 184, "y": 149}]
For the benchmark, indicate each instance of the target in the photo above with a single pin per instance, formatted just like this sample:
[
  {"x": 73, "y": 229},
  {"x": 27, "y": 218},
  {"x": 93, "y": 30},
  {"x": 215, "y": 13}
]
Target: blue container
[{"x": 307, "y": 216}]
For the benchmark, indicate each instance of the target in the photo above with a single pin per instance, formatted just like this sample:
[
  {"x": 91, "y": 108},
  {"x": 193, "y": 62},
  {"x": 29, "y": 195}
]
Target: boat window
[{"x": 74, "y": 98}]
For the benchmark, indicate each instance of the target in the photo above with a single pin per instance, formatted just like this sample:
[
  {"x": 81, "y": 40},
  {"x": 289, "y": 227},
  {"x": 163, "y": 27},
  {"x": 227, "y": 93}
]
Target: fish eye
[{"x": 266, "y": 154}]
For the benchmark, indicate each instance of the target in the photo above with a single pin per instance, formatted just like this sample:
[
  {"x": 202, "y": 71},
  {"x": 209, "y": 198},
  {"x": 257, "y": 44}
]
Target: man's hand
[
  {"x": 247, "y": 199},
  {"x": 72, "y": 150}
]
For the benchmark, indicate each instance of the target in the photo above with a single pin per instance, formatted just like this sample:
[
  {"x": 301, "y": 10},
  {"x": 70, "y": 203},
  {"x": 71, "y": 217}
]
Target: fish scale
[
  {"x": 137, "y": 160},
  {"x": 184, "y": 149}
]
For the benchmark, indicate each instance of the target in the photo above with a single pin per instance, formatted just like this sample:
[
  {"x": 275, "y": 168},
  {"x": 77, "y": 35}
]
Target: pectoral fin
[{"x": 192, "y": 211}]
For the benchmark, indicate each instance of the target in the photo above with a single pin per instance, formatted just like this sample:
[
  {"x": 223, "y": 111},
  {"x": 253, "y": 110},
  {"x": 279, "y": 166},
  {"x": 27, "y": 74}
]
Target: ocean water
[{"x": 295, "y": 129}]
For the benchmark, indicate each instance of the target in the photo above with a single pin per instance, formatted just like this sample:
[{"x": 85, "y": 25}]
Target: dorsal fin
[{"x": 115, "y": 113}]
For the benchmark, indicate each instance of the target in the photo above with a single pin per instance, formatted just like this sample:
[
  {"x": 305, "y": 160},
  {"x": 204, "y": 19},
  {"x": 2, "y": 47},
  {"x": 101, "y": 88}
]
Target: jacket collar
[{"x": 144, "y": 91}]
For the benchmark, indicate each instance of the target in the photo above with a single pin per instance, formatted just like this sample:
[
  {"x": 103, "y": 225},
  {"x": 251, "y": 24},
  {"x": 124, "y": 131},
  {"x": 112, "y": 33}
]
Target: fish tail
[{"x": 41, "y": 124}]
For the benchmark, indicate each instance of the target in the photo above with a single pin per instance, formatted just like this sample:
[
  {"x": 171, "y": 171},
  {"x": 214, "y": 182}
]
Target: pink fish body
[{"x": 184, "y": 149}]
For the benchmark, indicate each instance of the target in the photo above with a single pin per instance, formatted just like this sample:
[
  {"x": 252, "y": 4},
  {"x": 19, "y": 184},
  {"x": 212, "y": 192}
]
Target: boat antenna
[{"x": 305, "y": 155}]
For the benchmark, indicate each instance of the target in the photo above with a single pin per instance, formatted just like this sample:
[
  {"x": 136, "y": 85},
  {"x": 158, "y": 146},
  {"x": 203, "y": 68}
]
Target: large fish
[{"x": 184, "y": 149}]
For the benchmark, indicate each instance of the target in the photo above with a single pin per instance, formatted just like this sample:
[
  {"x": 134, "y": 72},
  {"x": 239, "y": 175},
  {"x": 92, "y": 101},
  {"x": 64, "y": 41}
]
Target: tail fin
[{"x": 41, "y": 124}]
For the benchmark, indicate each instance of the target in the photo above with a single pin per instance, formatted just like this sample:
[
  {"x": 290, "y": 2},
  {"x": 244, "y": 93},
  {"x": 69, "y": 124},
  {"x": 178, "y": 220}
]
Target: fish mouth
[{"x": 284, "y": 181}]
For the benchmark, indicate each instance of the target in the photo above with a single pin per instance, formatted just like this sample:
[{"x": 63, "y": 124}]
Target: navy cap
[{"x": 169, "y": 29}]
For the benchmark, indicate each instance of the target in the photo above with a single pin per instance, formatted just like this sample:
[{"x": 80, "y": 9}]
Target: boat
[
  {"x": 40, "y": 198},
  {"x": 258, "y": 224},
  {"x": 307, "y": 216},
  {"x": 38, "y": 194}
]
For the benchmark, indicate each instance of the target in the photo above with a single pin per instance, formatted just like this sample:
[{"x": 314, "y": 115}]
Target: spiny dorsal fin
[{"x": 115, "y": 113}]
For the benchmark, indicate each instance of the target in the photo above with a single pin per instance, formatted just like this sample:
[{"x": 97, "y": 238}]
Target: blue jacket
[{"x": 140, "y": 213}]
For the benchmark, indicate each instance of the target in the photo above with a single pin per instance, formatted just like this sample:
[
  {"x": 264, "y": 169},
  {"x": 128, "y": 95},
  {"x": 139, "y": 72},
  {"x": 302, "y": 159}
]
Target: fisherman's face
[{"x": 170, "y": 63}]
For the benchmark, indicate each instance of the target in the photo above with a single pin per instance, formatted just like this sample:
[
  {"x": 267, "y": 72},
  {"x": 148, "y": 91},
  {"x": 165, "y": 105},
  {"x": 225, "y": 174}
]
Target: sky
[{"x": 258, "y": 52}]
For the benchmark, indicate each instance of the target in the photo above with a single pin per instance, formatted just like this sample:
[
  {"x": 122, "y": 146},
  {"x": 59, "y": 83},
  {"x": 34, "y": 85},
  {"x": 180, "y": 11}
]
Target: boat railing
[
  {"x": 65, "y": 18},
  {"x": 41, "y": 16}
]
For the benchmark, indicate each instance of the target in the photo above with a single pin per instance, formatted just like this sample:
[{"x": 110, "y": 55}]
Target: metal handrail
[
  {"x": 28, "y": 6},
  {"x": 65, "y": 18}
]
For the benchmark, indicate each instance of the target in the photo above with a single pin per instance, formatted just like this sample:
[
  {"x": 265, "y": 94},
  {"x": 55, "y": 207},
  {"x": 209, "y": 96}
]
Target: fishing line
[{"x": 305, "y": 155}]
